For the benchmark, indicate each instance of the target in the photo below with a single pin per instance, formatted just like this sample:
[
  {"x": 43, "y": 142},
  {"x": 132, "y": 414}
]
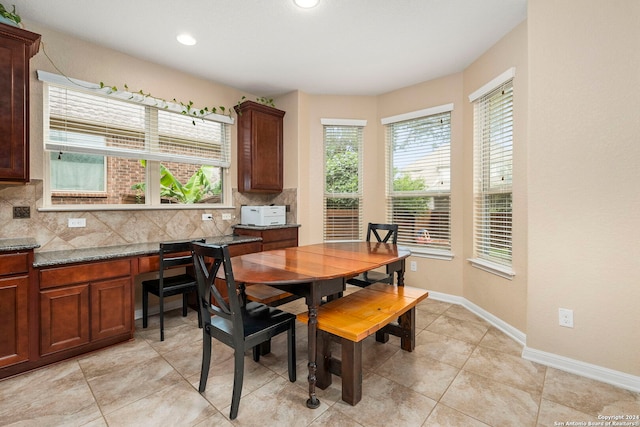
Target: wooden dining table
[{"x": 316, "y": 271}]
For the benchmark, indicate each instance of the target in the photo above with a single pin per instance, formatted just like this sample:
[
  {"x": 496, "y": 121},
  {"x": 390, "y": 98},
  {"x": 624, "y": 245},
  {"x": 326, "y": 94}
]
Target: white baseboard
[
  {"x": 598, "y": 373},
  {"x": 587, "y": 370}
]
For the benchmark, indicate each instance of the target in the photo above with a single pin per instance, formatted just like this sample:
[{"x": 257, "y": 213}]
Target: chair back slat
[
  {"x": 377, "y": 229},
  {"x": 207, "y": 260}
]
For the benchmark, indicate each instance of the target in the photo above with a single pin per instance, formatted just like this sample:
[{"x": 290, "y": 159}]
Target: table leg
[{"x": 313, "y": 401}]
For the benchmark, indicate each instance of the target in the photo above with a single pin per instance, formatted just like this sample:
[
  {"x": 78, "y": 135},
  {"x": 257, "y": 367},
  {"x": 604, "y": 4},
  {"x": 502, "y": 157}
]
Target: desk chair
[
  {"x": 237, "y": 323},
  {"x": 384, "y": 233},
  {"x": 170, "y": 257}
]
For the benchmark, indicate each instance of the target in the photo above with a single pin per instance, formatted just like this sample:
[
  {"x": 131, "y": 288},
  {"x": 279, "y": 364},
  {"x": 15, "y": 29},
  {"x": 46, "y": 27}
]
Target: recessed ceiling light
[
  {"x": 186, "y": 39},
  {"x": 307, "y": 4}
]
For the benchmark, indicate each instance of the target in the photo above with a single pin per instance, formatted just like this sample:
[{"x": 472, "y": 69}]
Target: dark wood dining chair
[
  {"x": 236, "y": 322},
  {"x": 172, "y": 255},
  {"x": 383, "y": 233}
]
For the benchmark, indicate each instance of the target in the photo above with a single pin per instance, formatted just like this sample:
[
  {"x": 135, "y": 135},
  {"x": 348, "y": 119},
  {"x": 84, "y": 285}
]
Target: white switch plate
[
  {"x": 77, "y": 222},
  {"x": 226, "y": 217},
  {"x": 207, "y": 217},
  {"x": 565, "y": 317}
]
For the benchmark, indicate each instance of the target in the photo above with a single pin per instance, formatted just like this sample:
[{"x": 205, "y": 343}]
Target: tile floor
[{"x": 463, "y": 372}]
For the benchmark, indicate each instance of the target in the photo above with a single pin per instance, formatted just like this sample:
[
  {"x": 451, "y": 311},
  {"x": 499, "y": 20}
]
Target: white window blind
[
  {"x": 343, "y": 182},
  {"x": 493, "y": 173},
  {"x": 130, "y": 127},
  {"x": 419, "y": 178}
]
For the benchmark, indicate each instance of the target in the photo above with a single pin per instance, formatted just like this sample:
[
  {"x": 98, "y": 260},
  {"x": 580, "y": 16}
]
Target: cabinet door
[
  {"x": 14, "y": 332},
  {"x": 16, "y": 47},
  {"x": 64, "y": 318},
  {"x": 260, "y": 155},
  {"x": 111, "y": 312},
  {"x": 266, "y": 152}
]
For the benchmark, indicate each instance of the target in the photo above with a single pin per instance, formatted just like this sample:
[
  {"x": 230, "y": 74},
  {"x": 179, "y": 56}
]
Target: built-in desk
[{"x": 69, "y": 302}]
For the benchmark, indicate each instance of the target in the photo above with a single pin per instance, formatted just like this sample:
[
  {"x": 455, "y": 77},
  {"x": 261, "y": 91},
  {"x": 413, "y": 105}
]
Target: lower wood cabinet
[
  {"x": 64, "y": 318},
  {"x": 14, "y": 313},
  {"x": 14, "y": 320},
  {"x": 83, "y": 304}
]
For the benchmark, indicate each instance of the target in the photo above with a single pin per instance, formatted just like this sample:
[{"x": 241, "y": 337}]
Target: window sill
[
  {"x": 83, "y": 208},
  {"x": 503, "y": 271},
  {"x": 440, "y": 254}
]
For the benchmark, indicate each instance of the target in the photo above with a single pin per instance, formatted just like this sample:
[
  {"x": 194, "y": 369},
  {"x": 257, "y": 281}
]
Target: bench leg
[
  {"x": 351, "y": 371},
  {"x": 382, "y": 336},
  {"x": 323, "y": 357},
  {"x": 407, "y": 323}
]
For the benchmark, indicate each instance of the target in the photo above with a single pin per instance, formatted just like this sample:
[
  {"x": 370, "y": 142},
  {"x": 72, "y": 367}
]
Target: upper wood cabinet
[
  {"x": 17, "y": 46},
  {"x": 260, "y": 157}
]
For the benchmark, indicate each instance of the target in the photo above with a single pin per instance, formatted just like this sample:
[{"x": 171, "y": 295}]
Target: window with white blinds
[
  {"x": 343, "y": 180},
  {"x": 101, "y": 142},
  {"x": 419, "y": 178},
  {"x": 493, "y": 174}
]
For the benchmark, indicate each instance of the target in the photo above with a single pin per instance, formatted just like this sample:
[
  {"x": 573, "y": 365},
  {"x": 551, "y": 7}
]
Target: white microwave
[{"x": 263, "y": 215}]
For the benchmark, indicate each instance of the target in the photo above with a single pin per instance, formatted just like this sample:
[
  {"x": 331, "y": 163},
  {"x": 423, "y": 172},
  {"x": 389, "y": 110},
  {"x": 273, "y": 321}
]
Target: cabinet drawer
[
  {"x": 279, "y": 245},
  {"x": 14, "y": 264},
  {"x": 69, "y": 275},
  {"x": 244, "y": 248},
  {"x": 279, "y": 234}
]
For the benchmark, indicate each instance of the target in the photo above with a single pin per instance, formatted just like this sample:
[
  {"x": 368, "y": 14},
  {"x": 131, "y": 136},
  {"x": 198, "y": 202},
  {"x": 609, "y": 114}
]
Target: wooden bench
[{"x": 350, "y": 319}]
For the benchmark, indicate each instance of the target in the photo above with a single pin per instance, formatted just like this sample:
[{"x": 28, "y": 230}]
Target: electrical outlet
[
  {"x": 413, "y": 266},
  {"x": 207, "y": 217},
  {"x": 565, "y": 317},
  {"x": 21, "y": 212},
  {"x": 226, "y": 217},
  {"x": 77, "y": 222}
]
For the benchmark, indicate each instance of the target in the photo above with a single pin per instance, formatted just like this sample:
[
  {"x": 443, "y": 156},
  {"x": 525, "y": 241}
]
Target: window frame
[
  {"x": 153, "y": 107},
  {"x": 431, "y": 250},
  {"x": 483, "y": 188},
  {"x": 359, "y": 125}
]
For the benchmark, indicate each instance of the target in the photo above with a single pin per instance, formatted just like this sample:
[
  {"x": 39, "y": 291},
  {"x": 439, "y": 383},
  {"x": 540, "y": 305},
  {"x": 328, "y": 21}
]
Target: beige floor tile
[
  {"x": 500, "y": 341},
  {"x": 443, "y": 348},
  {"x": 220, "y": 381},
  {"x": 277, "y": 403},
  {"x": 507, "y": 369},
  {"x": 443, "y": 416},
  {"x": 461, "y": 313},
  {"x": 470, "y": 332},
  {"x": 333, "y": 418},
  {"x": 589, "y": 396},
  {"x": 433, "y": 306},
  {"x": 387, "y": 403},
  {"x": 129, "y": 383},
  {"x": 420, "y": 373},
  {"x": 54, "y": 396},
  {"x": 555, "y": 414},
  {"x": 491, "y": 402},
  {"x": 114, "y": 358},
  {"x": 162, "y": 408},
  {"x": 217, "y": 420}
]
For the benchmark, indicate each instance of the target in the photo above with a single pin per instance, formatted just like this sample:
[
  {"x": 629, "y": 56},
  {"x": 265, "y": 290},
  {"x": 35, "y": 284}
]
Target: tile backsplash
[{"x": 117, "y": 227}]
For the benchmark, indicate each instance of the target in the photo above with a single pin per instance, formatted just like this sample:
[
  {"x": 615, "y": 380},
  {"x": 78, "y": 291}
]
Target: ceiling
[{"x": 270, "y": 47}]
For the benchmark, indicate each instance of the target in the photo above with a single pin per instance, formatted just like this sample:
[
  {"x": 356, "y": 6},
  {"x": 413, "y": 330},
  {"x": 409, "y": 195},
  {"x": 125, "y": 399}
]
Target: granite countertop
[
  {"x": 265, "y": 227},
  {"x": 50, "y": 258},
  {"x": 18, "y": 244}
]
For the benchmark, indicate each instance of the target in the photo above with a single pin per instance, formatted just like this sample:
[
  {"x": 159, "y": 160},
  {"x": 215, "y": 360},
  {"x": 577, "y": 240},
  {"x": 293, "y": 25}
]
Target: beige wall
[
  {"x": 584, "y": 177},
  {"x": 506, "y": 299}
]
